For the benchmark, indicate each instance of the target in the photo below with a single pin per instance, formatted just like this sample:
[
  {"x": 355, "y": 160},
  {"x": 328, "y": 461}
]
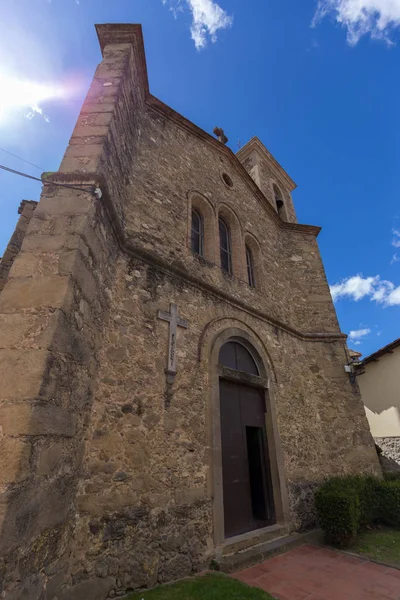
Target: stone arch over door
[{"x": 263, "y": 382}]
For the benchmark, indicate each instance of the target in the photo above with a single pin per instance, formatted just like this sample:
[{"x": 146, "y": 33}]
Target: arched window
[
  {"x": 225, "y": 246},
  {"x": 250, "y": 267},
  {"x": 197, "y": 233},
  {"x": 279, "y": 201},
  {"x": 235, "y": 356}
]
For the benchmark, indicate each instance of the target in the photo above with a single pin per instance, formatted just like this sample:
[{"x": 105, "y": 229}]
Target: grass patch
[
  {"x": 206, "y": 587},
  {"x": 381, "y": 544}
]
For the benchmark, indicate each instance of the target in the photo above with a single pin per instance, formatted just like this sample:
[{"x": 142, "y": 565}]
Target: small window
[
  {"x": 197, "y": 233},
  {"x": 279, "y": 201},
  {"x": 250, "y": 267},
  {"x": 227, "y": 180},
  {"x": 225, "y": 246}
]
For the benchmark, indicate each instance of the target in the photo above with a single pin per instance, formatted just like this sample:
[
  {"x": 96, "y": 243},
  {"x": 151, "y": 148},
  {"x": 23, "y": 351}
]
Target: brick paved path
[{"x": 313, "y": 573}]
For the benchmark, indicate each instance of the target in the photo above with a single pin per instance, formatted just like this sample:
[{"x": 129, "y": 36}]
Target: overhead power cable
[
  {"x": 66, "y": 185},
  {"x": 23, "y": 159}
]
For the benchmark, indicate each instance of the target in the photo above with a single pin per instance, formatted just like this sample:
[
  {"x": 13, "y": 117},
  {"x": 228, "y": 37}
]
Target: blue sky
[{"x": 317, "y": 82}]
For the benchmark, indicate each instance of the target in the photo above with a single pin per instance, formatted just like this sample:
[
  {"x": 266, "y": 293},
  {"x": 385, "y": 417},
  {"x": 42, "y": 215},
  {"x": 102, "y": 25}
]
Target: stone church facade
[{"x": 172, "y": 369}]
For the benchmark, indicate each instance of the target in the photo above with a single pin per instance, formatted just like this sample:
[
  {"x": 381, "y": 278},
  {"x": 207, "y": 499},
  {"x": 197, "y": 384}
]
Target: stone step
[
  {"x": 250, "y": 539},
  {"x": 260, "y": 552}
]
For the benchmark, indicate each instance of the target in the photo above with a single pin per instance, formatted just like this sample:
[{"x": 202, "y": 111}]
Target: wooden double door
[{"x": 247, "y": 489}]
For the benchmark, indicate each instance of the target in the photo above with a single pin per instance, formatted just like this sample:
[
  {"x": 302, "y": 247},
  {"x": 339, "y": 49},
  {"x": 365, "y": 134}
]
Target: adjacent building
[{"x": 379, "y": 384}]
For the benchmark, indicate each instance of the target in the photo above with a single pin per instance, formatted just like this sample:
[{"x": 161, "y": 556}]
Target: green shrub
[
  {"x": 339, "y": 514},
  {"x": 393, "y": 476},
  {"x": 370, "y": 499},
  {"x": 345, "y": 505},
  {"x": 390, "y": 503}
]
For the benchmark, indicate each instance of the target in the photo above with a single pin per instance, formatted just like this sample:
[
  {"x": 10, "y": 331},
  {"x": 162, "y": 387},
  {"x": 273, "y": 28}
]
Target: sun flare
[{"x": 20, "y": 94}]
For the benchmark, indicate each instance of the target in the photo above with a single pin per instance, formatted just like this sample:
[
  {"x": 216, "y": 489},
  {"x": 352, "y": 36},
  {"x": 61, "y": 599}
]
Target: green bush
[
  {"x": 390, "y": 503},
  {"x": 345, "y": 505},
  {"x": 369, "y": 490},
  {"x": 393, "y": 476},
  {"x": 339, "y": 515}
]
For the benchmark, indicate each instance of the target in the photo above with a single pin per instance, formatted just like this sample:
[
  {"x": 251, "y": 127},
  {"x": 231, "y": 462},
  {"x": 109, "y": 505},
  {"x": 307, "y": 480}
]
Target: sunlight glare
[{"x": 18, "y": 93}]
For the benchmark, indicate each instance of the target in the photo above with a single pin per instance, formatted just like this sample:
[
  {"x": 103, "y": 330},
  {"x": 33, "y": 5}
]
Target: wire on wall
[{"x": 95, "y": 191}]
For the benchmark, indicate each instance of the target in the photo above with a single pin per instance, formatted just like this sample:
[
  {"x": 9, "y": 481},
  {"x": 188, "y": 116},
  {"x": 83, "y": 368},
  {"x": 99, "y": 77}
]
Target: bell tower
[{"x": 273, "y": 181}]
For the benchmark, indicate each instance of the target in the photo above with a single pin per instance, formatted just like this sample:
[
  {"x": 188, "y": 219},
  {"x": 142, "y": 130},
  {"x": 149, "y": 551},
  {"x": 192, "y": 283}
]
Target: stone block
[
  {"x": 92, "y": 589},
  {"x": 54, "y": 584},
  {"x": 176, "y": 568},
  {"x": 85, "y": 150},
  {"x": 112, "y": 66},
  {"x": 22, "y": 373},
  {"x": 158, "y": 500},
  {"x": 190, "y": 495},
  {"x": 29, "y": 589},
  {"x": 51, "y": 243},
  {"x": 26, "y": 264},
  {"x": 14, "y": 460},
  {"x": 92, "y": 108},
  {"x": 36, "y": 292},
  {"x": 39, "y": 419},
  {"x": 79, "y": 165},
  {"x": 116, "y": 49},
  {"x": 32, "y": 517},
  {"x": 97, "y": 505},
  {"x": 102, "y": 119},
  {"x": 66, "y": 340},
  {"x": 17, "y": 329},
  {"x": 73, "y": 204},
  {"x": 71, "y": 262},
  {"x": 49, "y": 458},
  {"x": 83, "y": 134},
  {"x": 100, "y": 93}
]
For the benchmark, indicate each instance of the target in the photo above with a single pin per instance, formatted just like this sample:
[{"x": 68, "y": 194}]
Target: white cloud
[
  {"x": 358, "y": 287},
  {"x": 396, "y": 239},
  {"x": 395, "y": 258},
  {"x": 393, "y": 299},
  {"x": 207, "y": 19},
  {"x": 355, "y": 287},
  {"x": 361, "y": 17},
  {"x": 358, "y": 333}
]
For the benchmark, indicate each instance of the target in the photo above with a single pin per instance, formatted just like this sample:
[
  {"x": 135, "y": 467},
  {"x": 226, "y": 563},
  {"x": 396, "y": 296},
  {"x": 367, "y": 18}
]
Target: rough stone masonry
[{"x": 109, "y": 468}]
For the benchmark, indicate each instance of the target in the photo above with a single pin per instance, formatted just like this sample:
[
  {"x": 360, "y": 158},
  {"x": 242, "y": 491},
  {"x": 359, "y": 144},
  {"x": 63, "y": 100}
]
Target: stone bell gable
[
  {"x": 269, "y": 176},
  {"x": 162, "y": 287}
]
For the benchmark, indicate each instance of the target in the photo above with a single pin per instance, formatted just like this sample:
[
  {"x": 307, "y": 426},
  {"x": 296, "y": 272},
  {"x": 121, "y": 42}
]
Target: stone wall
[
  {"x": 25, "y": 209},
  {"x": 107, "y": 467},
  {"x": 145, "y": 501},
  {"x": 293, "y": 287},
  {"x": 52, "y": 312},
  {"x": 390, "y": 455}
]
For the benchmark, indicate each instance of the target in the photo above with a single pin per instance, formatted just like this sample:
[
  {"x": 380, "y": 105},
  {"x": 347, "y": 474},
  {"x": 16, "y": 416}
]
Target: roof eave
[{"x": 382, "y": 351}]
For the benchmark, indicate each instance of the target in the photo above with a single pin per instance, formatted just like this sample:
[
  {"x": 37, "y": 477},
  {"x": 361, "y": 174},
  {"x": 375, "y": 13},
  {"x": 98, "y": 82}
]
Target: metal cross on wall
[{"x": 174, "y": 321}]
